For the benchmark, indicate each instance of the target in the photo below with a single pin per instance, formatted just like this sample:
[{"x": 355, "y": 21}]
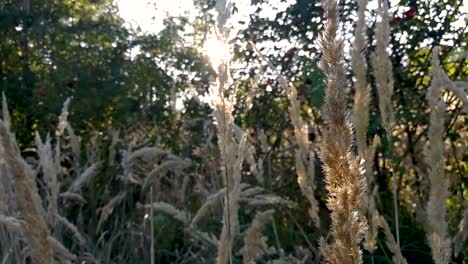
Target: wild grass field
[{"x": 351, "y": 165}]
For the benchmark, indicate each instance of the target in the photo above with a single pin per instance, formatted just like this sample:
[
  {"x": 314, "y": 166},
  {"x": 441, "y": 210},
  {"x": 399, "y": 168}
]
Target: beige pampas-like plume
[
  {"x": 361, "y": 122},
  {"x": 436, "y": 209},
  {"x": 233, "y": 152},
  {"x": 383, "y": 73},
  {"x": 254, "y": 241},
  {"x": 362, "y": 96},
  {"x": 28, "y": 200},
  {"x": 50, "y": 171},
  {"x": 345, "y": 181}
]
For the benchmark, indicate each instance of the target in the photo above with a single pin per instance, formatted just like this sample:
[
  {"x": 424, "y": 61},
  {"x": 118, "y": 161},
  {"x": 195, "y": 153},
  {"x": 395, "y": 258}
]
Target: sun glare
[{"x": 217, "y": 51}]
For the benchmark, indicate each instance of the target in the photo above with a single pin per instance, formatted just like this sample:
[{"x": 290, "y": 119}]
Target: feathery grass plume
[
  {"x": 115, "y": 139},
  {"x": 370, "y": 237},
  {"x": 8, "y": 233},
  {"x": 390, "y": 241},
  {"x": 107, "y": 210},
  {"x": 85, "y": 177},
  {"x": 231, "y": 202},
  {"x": 304, "y": 157},
  {"x": 362, "y": 96},
  {"x": 232, "y": 152},
  {"x": 146, "y": 154},
  {"x": 49, "y": 169},
  {"x": 63, "y": 118},
  {"x": 462, "y": 233},
  {"x": 304, "y": 161},
  {"x": 254, "y": 241},
  {"x": 361, "y": 122},
  {"x": 3, "y": 189},
  {"x": 184, "y": 218},
  {"x": 6, "y": 114},
  {"x": 76, "y": 148},
  {"x": 211, "y": 201},
  {"x": 63, "y": 254},
  {"x": 252, "y": 196},
  {"x": 93, "y": 148},
  {"x": 345, "y": 181},
  {"x": 28, "y": 200},
  {"x": 436, "y": 209},
  {"x": 179, "y": 215},
  {"x": 383, "y": 73},
  {"x": 173, "y": 164}
]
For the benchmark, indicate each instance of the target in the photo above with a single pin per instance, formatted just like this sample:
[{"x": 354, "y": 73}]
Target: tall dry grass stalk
[
  {"x": 9, "y": 233},
  {"x": 345, "y": 181},
  {"x": 52, "y": 185},
  {"x": 383, "y": 73},
  {"x": 360, "y": 117},
  {"x": 304, "y": 156},
  {"x": 6, "y": 114},
  {"x": 232, "y": 151},
  {"x": 362, "y": 95},
  {"x": 436, "y": 209},
  {"x": 392, "y": 244},
  {"x": 34, "y": 225}
]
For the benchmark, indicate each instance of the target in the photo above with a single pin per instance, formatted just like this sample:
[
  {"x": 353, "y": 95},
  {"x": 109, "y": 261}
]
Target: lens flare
[{"x": 217, "y": 51}]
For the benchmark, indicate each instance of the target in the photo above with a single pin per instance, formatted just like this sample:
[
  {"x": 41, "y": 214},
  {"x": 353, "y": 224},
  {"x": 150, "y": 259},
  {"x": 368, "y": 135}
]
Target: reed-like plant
[
  {"x": 436, "y": 208},
  {"x": 345, "y": 180}
]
